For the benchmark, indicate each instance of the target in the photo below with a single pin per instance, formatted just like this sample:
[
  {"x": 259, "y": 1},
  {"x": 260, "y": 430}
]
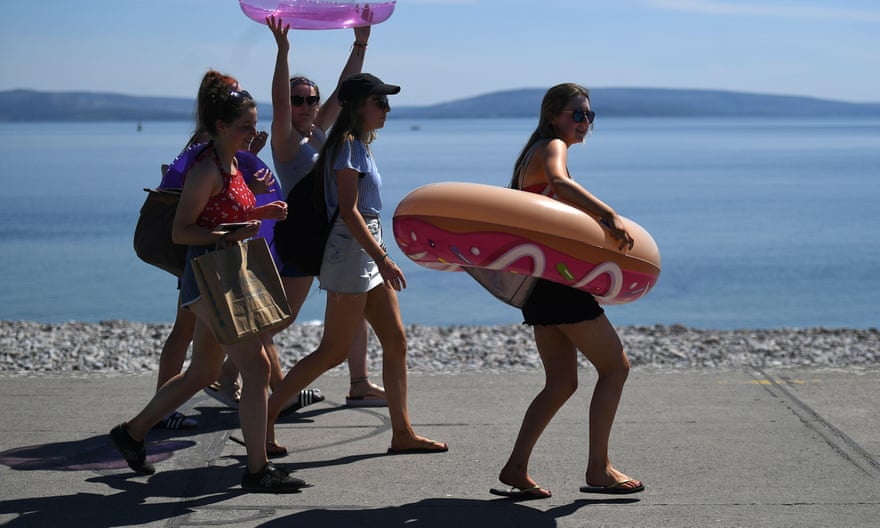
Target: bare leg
[
  {"x": 598, "y": 341},
  {"x": 297, "y": 289},
  {"x": 174, "y": 352},
  {"x": 361, "y": 388},
  {"x": 342, "y": 315},
  {"x": 228, "y": 375},
  {"x": 204, "y": 368},
  {"x": 276, "y": 373},
  {"x": 357, "y": 354},
  {"x": 383, "y": 313},
  {"x": 559, "y": 358},
  {"x": 253, "y": 363}
]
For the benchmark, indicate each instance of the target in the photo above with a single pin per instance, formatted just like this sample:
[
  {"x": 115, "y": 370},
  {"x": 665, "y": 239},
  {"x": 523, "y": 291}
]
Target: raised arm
[
  {"x": 285, "y": 138},
  {"x": 355, "y": 63}
]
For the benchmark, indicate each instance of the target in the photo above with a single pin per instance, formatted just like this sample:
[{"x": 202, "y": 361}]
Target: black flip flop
[
  {"x": 417, "y": 450},
  {"x": 618, "y": 488},
  {"x": 520, "y": 494}
]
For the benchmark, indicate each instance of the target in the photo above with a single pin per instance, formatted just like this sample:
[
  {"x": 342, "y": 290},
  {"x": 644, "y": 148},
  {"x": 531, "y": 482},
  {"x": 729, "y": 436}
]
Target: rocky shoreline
[{"x": 131, "y": 347}]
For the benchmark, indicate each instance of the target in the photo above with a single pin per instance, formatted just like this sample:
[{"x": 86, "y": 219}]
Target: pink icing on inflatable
[
  {"x": 317, "y": 14},
  {"x": 444, "y": 250}
]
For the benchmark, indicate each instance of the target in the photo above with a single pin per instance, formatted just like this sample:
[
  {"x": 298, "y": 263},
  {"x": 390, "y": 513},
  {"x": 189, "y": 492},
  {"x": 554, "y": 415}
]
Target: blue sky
[{"x": 441, "y": 50}]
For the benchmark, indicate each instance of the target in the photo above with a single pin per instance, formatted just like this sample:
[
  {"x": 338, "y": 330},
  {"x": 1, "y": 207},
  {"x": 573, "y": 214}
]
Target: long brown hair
[
  {"x": 347, "y": 127},
  {"x": 220, "y": 99},
  {"x": 554, "y": 102},
  {"x": 211, "y": 79}
]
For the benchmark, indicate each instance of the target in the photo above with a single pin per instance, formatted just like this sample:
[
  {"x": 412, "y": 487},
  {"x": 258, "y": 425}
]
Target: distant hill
[
  {"x": 648, "y": 102},
  {"x": 30, "y": 105}
]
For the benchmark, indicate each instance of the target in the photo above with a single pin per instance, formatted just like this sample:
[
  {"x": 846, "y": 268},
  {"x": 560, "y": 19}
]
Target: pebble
[{"x": 132, "y": 347}]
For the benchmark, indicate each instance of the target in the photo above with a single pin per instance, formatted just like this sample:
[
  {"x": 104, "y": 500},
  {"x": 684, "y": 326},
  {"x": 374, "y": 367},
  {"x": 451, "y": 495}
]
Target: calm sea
[{"x": 761, "y": 223}]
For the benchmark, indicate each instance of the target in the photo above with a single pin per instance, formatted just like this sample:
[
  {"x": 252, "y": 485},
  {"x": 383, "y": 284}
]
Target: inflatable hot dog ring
[{"x": 451, "y": 226}]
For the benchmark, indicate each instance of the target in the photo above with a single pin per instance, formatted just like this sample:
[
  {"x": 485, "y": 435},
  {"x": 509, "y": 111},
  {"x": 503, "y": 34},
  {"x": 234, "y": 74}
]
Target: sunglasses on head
[
  {"x": 310, "y": 100},
  {"x": 240, "y": 94},
  {"x": 579, "y": 116}
]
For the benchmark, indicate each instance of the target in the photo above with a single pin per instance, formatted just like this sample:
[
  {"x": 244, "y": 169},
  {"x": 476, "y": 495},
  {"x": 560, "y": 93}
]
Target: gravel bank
[{"x": 123, "y": 346}]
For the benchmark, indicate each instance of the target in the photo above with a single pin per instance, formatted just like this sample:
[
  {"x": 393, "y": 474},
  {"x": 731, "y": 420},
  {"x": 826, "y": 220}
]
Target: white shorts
[{"x": 347, "y": 267}]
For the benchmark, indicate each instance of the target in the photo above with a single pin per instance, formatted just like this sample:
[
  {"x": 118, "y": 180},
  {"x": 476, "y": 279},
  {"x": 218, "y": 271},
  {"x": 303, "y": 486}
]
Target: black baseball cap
[{"x": 361, "y": 84}]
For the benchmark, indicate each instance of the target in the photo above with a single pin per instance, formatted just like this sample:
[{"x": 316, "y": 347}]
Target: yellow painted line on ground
[{"x": 770, "y": 382}]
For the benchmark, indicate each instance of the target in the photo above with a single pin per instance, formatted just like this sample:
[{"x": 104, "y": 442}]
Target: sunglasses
[
  {"x": 240, "y": 94},
  {"x": 310, "y": 100},
  {"x": 579, "y": 116},
  {"x": 381, "y": 101}
]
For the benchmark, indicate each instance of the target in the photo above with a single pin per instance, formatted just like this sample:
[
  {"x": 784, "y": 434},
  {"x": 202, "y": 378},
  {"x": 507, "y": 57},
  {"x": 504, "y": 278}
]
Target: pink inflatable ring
[
  {"x": 448, "y": 226},
  {"x": 318, "y": 14}
]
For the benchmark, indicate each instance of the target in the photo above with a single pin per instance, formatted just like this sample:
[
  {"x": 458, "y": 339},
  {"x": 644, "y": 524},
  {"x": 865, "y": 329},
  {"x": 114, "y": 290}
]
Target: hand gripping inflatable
[
  {"x": 448, "y": 226},
  {"x": 318, "y": 14},
  {"x": 248, "y": 164}
]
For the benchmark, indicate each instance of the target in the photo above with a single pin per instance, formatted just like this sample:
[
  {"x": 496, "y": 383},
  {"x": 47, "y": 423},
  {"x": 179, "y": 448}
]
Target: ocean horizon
[{"x": 761, "y": 223}]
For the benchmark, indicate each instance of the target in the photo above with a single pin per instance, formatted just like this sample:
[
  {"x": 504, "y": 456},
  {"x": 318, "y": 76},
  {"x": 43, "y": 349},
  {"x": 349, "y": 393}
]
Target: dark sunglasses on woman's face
[
  {"x": 580, "y": 116},
  {"x": 381, "y": 101},
  {"x": 310, "y": 100}
]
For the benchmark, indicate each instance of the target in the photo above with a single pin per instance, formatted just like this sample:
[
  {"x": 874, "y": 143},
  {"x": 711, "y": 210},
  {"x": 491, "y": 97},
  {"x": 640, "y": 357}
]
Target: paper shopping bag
[{"x": 244, "y": 289}]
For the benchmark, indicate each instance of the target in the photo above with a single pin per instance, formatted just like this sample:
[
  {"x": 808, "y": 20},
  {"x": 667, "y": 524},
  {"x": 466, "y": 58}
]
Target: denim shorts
[
  {"x": 189, "y": 288},
  {"x": 347, "y": 267}
]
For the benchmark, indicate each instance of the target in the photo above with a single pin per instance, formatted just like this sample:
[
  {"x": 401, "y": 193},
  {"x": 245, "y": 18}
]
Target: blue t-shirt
[{"x": 355, "y": 155}]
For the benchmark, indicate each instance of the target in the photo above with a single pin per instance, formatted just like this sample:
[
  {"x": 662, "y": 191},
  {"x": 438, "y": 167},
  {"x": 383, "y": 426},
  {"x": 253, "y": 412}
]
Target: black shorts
[{"x": 551, "y": 303}]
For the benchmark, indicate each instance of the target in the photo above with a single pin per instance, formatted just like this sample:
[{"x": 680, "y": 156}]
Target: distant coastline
[{"x": 39, "y": 106}]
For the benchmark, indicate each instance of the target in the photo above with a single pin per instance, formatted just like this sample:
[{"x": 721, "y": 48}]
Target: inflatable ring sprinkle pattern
[
  {"x": 318, "y": 14},
  {"x": 449, "y": 226}
]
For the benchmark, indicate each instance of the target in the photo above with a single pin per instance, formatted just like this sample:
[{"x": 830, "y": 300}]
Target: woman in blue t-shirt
[{"x": 360, "y": 278}]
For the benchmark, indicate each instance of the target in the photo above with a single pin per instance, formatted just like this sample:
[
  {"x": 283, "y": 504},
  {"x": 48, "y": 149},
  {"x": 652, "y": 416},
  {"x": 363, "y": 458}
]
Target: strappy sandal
[{"x": 374, "y": 397}]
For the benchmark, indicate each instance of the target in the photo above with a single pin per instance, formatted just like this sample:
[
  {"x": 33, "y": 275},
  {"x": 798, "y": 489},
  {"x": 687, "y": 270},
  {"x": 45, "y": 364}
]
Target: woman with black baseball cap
[{"x": 360, "y": 278}]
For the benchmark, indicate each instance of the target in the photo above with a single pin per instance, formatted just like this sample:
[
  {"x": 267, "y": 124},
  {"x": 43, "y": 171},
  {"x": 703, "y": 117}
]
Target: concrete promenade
[{"x": 774, "y": 447}]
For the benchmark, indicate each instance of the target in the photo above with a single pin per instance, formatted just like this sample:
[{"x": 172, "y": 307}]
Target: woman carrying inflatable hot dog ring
[{"x": 567, "y": 320}]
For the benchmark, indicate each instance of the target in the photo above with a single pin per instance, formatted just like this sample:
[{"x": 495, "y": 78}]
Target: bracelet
[
  {"x": 357, "y": 44},
  {"x": 383, "y": 257}
]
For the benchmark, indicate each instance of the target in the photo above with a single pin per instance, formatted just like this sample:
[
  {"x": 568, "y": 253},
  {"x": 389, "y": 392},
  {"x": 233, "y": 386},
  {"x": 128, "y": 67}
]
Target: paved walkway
[{"x": 750, "y": 448}]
